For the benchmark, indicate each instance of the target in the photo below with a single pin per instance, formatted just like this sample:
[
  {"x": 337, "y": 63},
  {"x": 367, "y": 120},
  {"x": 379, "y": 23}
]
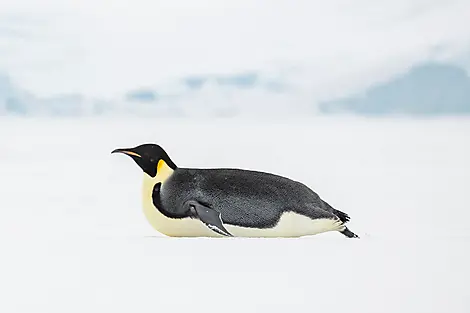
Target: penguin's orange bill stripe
[{"x": 132, "y": 153}]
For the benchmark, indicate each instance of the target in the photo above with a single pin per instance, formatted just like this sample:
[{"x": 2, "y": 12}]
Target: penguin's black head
[{"x": 148, "y": 157}]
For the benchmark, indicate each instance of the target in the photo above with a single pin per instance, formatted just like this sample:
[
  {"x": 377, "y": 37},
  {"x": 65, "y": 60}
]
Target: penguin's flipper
[{"x": 210, "y": 217}]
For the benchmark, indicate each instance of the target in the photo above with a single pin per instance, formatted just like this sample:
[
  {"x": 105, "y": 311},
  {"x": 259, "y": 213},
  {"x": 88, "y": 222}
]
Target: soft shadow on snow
[{"x": 74, "y": 239}]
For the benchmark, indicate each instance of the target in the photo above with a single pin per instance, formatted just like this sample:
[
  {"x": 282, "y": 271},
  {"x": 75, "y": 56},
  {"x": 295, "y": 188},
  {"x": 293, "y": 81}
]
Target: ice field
[{"x": 73, "y": 237}]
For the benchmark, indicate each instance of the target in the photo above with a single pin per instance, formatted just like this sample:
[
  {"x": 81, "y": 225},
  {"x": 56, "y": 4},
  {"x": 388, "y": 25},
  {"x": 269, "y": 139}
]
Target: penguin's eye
[{"x": 152, "y": 160}]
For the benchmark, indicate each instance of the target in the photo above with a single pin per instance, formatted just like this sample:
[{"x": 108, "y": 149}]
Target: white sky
[{"x": 103, "y": 47}]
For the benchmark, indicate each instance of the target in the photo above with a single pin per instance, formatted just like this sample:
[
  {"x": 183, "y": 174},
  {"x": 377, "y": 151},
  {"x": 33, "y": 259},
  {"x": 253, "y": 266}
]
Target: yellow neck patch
[{"x": 163, "y": 171}]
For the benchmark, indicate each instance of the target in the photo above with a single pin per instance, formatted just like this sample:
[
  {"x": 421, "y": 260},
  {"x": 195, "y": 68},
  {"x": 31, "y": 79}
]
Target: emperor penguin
[{"x": 228, "y": 202}]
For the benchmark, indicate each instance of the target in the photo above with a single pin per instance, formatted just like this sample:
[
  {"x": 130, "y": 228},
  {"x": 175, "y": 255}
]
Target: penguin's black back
[{"x": 243, "y": 197}]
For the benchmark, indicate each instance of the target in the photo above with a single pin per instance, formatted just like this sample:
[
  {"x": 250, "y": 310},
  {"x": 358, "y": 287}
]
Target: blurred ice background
[{"x": 366, "y": 102}]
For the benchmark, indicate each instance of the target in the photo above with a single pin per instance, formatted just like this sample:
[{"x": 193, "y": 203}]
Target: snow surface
[{"x": 74, "y": 239}]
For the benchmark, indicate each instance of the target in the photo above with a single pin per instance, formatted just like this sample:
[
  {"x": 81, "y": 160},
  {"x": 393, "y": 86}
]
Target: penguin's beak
[{"x": 126, "y": 151}]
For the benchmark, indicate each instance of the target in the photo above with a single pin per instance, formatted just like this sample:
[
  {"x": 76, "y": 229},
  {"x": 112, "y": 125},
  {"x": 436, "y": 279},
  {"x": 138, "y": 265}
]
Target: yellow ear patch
[
  {"x": 160, "y": 165},
  {"x": 163, "y": 171}
]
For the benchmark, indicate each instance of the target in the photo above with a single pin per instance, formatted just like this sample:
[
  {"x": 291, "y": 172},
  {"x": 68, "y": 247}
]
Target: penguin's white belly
[{"x": 290, "y": 224}]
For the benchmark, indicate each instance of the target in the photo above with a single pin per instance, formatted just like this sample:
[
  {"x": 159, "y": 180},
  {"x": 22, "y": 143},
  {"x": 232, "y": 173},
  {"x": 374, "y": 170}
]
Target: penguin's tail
[{"x": 343, "y": 217}]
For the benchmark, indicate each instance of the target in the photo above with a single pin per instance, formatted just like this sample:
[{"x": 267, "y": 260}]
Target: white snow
[{"x": 73, "y": 237}]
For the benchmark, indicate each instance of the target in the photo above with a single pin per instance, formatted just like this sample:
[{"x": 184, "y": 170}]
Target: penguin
[{"x": 228, "y": 202}]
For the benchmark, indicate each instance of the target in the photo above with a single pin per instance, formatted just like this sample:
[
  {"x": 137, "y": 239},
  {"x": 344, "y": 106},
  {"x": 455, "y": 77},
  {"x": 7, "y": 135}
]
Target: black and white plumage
[{"x": 194, "y": 202}]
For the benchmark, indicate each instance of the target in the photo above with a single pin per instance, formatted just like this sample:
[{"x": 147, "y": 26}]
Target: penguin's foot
[{"x": 349, "y": 233}]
